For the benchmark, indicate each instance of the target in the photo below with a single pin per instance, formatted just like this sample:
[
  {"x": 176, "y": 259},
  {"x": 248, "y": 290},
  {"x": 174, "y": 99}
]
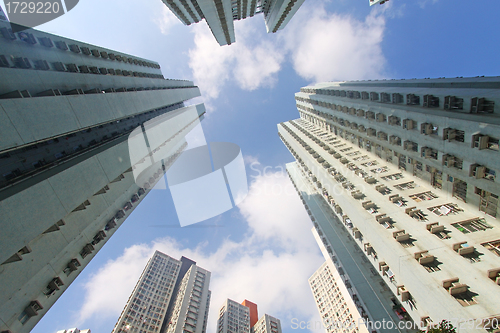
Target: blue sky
[{"x": 263, "y": 250}]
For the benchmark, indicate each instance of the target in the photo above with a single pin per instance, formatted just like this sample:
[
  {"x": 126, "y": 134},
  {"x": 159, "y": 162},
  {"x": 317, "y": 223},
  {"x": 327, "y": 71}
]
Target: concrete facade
[
  {"x": 267, "y": 324},
  {"x": 233, "y": 318},
  {"x": 191, "y": 304},
  {"x": 399, "y": 178},
  {"x": 220, "y": 14},
  {"x": 164, "y": 284},
  {"x": 67, "y": 180}
]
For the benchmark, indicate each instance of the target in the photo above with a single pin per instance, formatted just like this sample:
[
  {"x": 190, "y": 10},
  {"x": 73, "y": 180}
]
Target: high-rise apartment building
[
  {"x": 171, "y": 296},
  {"x": 267, "y": 324},
  {"x": 374, "y": 2},
  {"x": 399, "y": 178},
  {"x": 233, "y": 318},
  {"x": 336, "y": 295},
  {"x": 242, "y": 318},
  {"x": 68, "y": 175},
  {"x": 221, "y": 14},
  {"x": 254, "y": 314},
  {"x": 74, "y": 330}
]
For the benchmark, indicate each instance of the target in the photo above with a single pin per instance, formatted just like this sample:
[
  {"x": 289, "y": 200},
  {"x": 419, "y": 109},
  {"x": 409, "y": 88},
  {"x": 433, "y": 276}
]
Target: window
[
  {"x": 472, "y": 225},
  {"x": 412, "y": 99},
  {"x": 431, "y": 101},
  {"x": 481, "y": 105},
  {"x": 452, "y": 134},
  {"x": 453, "y": 103},
  {"x": 397, "y": 98},
  {"x": 493, "y": 246},
  {"x": 395, "y": 121},
  {"x": 409, "y": 124}
]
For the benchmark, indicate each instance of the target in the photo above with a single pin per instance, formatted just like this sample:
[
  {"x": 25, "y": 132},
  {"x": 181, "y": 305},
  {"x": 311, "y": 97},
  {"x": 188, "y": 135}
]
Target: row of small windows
[
  {"x": 478, "y": 104},
  {"x": 479, "y": 141},
  {"x": 61, "y": 45},
  {"x": 493, "y": 274},
  {"x": 25, "y": 63},
  {"x": 476, "y": 171},
  {"x": 78, "y": 91}
]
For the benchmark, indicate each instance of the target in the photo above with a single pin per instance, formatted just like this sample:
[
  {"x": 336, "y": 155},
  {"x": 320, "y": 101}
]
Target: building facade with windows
[
  {"x": 400, "y": 182},
  {"x": 233, "y": 318},
  {"x": 74, "y": 330},
  {"x": 267, "y": 324},
  {"x": 221, "y": 14},
  {"x": 67, "y": 112},
  {"x": 171, "y": 296},
  {"x": 243, "y": 318}
]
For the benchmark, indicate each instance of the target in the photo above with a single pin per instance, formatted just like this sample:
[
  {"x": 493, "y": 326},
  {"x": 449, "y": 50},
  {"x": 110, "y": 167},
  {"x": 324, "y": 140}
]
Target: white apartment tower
[
  {"x": 399, "y": 178},
  {"x": 74, "y": 330},
  {"x": 339, "y": 307},
  {"x": 171, "y": 296},
  {"x": 67, "y": 110},
  {"x": 191, "y": 304},
  {"x": 233, "y": 318},
  {"x": 220, "y": 14},
  {"x": 267, "y": 324}
]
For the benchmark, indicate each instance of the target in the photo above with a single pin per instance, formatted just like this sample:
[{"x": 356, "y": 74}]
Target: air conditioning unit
[
  {"x": 73, "y": 265},
  {"x": 8, "y": 34},
  {"x": 479, "y": 172},
  {"x": 74, "y": 48},
  {"x": 449, "y": 160},
  {"x": 55, "y": 283},
  {"x": 45, "y": 41},
  {"x": 409, "y": 124},
  {"x": 111, "y": 224},
  {"x": 59, "y": 66},
  {"x": 426, "y": 152},
  {"x": 72, "y": 68},
  {"x": 449, "y": 134},
  {"x": 32, "y": 309},
  {"x": 61, "y": 45},
  {"x": 426, "y": 128},
  {"x": 85, "y": 50}
]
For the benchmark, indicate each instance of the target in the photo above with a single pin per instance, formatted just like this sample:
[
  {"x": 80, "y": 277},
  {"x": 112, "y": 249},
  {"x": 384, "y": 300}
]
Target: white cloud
[
  {"x": 249, "y": 159},
  {"x": 328, "y": 46},
  {"x": 270, "y": 266},
  {"x": 251, "y": 62},
  {"x": 165, "y": 20},
  {"x": 321, "y": 46}
]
